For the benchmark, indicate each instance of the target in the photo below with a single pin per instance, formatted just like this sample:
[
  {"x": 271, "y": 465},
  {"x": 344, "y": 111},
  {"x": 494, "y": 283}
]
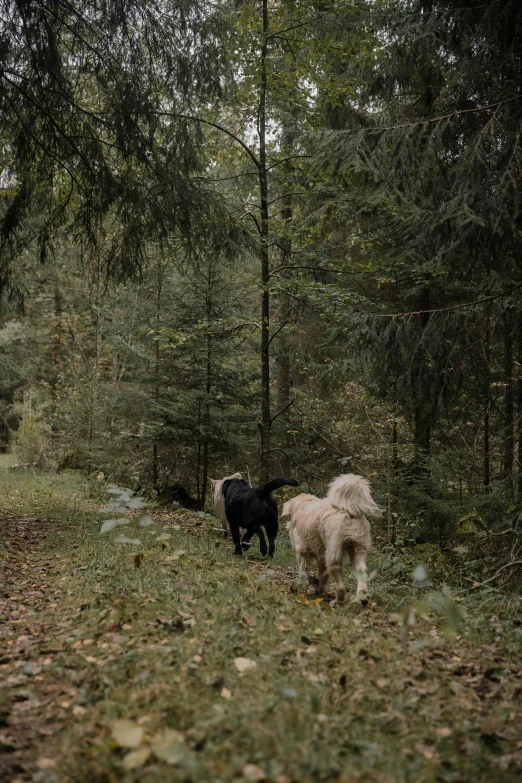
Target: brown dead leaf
[
  {"x": 444, "y": 731},
  {"x": 45, "y": 763},
  {"x": 248, "y": 620}
]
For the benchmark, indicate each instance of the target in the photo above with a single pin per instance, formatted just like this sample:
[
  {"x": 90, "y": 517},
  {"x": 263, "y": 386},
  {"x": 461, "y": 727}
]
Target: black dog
[{"x": 253, "y": 509}]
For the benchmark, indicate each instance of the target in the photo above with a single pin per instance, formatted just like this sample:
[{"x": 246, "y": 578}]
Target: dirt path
[{"x": 34, "y": 709}]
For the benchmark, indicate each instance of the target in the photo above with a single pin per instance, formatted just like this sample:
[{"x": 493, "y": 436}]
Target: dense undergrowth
[{"x": 224, "y": 668}]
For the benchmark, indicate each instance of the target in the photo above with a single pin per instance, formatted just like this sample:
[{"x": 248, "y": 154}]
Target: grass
[{"x": 333, "y": 695}]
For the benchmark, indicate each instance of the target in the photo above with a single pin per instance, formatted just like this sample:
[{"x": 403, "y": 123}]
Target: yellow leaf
[
  {"x": 136, "y": 758},
  {"x": 127, "y": 733}
]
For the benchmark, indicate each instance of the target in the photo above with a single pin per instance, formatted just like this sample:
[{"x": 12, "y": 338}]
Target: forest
[{"x": 277, "y": 238}]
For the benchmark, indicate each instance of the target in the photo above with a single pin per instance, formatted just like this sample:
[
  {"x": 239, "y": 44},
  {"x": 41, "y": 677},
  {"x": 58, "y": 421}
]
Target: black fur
[{"x": 253, "y": 510}]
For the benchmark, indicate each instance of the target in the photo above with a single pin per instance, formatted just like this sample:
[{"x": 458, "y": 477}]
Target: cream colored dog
[
  {"x": 219, "y": 500},
  {"x": 325, "y": 528}
]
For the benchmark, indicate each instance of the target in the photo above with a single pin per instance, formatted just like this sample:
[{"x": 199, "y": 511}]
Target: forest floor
[{"x": 189, "y": 664}]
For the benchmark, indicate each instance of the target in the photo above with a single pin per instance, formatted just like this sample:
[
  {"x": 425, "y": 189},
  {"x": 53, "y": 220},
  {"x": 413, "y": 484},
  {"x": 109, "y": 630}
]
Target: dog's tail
[
  {"x": 266, "y": 489},
  {"x": 351, "y": 493}
]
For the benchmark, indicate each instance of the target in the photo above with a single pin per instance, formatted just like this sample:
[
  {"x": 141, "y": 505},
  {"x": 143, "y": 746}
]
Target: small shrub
[{"x": 31, "y": 440}]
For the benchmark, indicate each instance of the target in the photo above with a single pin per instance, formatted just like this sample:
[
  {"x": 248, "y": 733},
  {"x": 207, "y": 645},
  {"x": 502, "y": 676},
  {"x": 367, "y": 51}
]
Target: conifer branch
[
  {"x": 453, "y": 307},
  {"x": 218, "y": 127},
  {"x": 452, "y": 114}
]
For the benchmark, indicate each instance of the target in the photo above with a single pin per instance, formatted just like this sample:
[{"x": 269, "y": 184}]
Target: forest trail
[{"x": 190, "y": 664}]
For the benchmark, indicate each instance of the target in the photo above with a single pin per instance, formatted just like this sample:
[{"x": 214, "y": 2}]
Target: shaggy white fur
[
  {"x": 325, "y": 528},
  {"x": 219, "y": 500}
]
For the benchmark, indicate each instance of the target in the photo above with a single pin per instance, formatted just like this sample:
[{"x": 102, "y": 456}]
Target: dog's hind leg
[
  {"x": 335, "y": 570},
  {"x": 322, "y": 574},
  {"x": 358, "y": 558},
  {"x": 271, "y": 527},
  {"x": 300, "y": 553},
  {"x": 236, "y": 537},
  {"x": 262, "y": 542},
  {"x": 334, "y": 560}
]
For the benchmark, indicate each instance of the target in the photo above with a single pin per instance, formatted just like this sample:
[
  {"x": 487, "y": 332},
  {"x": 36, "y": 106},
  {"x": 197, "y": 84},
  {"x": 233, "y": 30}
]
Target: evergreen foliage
[{"x": 85, "y": 140}]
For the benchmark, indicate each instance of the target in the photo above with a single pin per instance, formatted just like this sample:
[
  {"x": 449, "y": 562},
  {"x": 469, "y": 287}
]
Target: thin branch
[
  {"x": 495, "y": 576},
  {"x": 213, "y": 125},
  {"x": 454, "y": 307},
  {"x": 282, "y": 326},
  {"x": 443, "y": 117},
  {"x": 308, "y": 22},
  {"x": 288, "y": 404},
  {"x": 284, "y": 160},
  {"x": 305, "y": 471}
]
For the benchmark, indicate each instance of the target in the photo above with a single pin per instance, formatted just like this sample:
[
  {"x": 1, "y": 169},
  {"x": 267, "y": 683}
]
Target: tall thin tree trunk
[
  {"x": 283, "y": 377},
  {"x": 487, "y": 450},
  {"x": 208, "y": 389},
  {"x": 265, "y": 423},
  {"x": 198, "y": 459},
  {"x": 155, "y": 456},
  {"x": 487, "y": 408},
  {"x": 57, "y": 354},
  {"x": 519, "y": 414},
  {"x": 422, "y": 411},
  {"x": 508, "y": 410},
  {"x": 392, "y": 475},
  {"x": 93, "y": 401}
]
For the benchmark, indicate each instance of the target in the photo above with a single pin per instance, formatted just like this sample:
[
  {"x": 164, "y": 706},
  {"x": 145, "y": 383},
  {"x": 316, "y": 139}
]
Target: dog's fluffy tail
[
  {"x": 351, "y": 493},
  {"x": 266, "y": 489}
]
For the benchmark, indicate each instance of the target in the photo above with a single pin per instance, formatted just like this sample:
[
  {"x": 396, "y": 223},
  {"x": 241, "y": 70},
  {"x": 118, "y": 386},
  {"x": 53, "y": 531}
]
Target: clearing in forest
[{"x": 189, "y": 664}]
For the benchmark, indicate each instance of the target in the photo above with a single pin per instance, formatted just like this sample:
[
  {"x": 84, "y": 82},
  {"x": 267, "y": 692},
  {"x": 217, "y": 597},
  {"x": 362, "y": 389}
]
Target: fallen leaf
[
  {"x": 243, "y": 664},
  {"x": 45, "y": 763},
  {"x": 169, "y": 746},
  {"x": 248, "y": 620},
  {"x": 136, "y": 758},
  {"x": 253, "y": 773},
  {"x": 444, "y": 731},
  {"x": 127, "y": 733}
]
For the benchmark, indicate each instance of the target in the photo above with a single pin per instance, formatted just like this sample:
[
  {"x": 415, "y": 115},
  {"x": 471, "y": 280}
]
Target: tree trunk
[
  {"x": 208, "y": 389},
  {"x": 508, "y": 408},
  {"x": 423, "y": 406},
  {"x": 265, "y": 423},
  {"x": 283, "y": 377},
  {"x": 57, "y": 355},
  {"x": 155, "y": 456},
  {"x": 487, "y": 407},
  {"x": 519, "y": 429}
]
